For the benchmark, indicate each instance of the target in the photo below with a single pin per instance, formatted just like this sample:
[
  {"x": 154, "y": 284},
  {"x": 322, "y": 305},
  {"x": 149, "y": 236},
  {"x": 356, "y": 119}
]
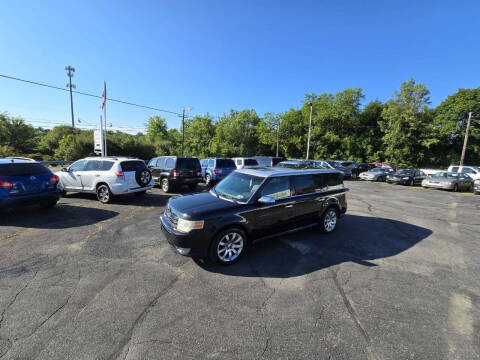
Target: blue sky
[{"x": 218, "y": 55}]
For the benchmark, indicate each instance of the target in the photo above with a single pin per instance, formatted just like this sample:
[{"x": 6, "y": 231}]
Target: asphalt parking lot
[{"x": 399, "y": 279}]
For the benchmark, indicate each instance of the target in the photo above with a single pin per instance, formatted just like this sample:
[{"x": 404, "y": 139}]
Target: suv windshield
[
  {"x": 238, "y": 186},
  {"x": 225, "y": 163},
  {"x": 22, "y": 169},
  {"x": 188, "y": 164}
]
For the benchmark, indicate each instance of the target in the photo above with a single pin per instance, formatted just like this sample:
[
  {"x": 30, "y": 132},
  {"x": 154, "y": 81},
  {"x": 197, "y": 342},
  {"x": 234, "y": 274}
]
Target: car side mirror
[
  {"x": 267, "y": 200},
  {"x": 64, "y": 170}
]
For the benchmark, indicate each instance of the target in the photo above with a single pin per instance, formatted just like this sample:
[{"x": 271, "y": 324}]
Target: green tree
[
  {"x": 199, "y": 133},
  {"x": 267, "y": 133},
  {"x": 157, "y": 134},
  {"x": 407, "y": 123},
  {"x": 16, "y": 136}
]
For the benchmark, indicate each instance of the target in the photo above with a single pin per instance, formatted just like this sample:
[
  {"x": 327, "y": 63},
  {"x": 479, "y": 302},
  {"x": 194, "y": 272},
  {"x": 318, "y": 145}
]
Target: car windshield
[
  {"x": 225, "y": 163},
  {"x": 377, "y": 170},
  {"x": 448, "y": 175},
  {"x": 238, "y": 186}
]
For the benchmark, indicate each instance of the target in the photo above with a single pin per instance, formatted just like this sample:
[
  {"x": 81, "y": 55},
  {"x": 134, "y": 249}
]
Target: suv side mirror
[{"x": 268, "y": 200}]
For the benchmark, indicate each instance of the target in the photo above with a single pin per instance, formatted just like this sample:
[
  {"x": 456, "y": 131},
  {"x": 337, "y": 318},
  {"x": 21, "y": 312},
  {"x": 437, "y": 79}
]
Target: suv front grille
[{"x": 171, "y": 217}]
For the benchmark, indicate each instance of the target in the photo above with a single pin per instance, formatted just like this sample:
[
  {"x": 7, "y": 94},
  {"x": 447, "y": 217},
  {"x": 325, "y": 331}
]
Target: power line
[{"x": 87, "y": 94}]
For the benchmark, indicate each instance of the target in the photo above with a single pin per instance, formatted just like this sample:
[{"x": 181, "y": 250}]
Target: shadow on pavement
[
  {"x": 60, "y": 217},
  {"x": 149, "y": 199},
  {"x": 358, "y": 239}
]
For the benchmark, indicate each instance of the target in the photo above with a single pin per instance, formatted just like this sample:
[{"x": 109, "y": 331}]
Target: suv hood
[{"x": 199, "y": 205}]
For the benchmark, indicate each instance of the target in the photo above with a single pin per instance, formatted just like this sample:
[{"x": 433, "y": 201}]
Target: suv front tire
[{"x": 228, "y": 246}]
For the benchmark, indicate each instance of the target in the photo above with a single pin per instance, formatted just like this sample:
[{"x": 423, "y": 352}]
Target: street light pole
[
  {"x": 464, "y": 149},
  {"x": 309, "y": 129}
]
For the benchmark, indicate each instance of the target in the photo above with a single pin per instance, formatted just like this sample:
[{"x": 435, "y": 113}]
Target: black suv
[
  {"x": 251, "y": 204},
  {"x": 172, "y": 171}
]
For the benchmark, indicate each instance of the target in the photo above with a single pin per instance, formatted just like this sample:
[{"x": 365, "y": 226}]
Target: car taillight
[
  {"x": 120, "y": 174},
  {"x": 214, "y": 171},
  {"x": 175, "y": 174},
  {"x": 54, "y": 179},
  {"x": 5, "y": 184}
]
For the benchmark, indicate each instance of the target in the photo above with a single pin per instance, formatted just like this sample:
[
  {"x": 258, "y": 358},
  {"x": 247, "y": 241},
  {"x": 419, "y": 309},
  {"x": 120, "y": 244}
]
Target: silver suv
[{"x": 106, "y": 176}]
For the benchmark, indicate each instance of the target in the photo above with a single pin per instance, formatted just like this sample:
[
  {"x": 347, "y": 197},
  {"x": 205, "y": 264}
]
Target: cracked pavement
[{"x": 397, "y": 280}]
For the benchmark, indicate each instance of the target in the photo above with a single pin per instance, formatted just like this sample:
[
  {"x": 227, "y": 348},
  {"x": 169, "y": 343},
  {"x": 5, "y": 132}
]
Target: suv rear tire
[
  {"x": 104, "y": 195},
  {"x": 329, "y": 219},
  {"x": 208, "y": 180},
  {"x": 165, "y": 185},
  {"x": 225, "y": 244}
]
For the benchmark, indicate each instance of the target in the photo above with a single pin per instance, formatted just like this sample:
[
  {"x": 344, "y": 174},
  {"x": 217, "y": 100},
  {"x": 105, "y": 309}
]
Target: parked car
[
  {"x": 384, "y": 165},
  {"x": 245, "y": 163},
  {"x": 171, "y": 172},
  {"x": 268, "y": 161},
  {"x": 334, "y": 165},
  {"x": 376, "y": 174},
  {"x": 406, "y": 177},
  {"x": 216, "y": 169},
  {"x": 20, "y": 158},
  {"x": 476, "y": 187},
  {"x": 106, "y": 177},
  {"x": 449, "y": 181},
  {"x": 251, "y": 204},
  {"x": 355, "y": 168},
  {"x": 26, "y": 182},
  {"x": 471, "y": 171}
]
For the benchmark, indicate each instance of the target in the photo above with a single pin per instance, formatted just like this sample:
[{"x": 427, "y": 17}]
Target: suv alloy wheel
[
  {"x": 208, "y": 180},
  {"x": 104, "y": 194},
  {"x": 228, "y": 246},
  {"x": 328, "y": 221},
  {"x": 165, "y": 184}
]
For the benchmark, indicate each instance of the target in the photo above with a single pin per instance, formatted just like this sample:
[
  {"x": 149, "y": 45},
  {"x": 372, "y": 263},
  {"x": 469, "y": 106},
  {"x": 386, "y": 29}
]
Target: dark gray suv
[{"x": 171, "y": 172}]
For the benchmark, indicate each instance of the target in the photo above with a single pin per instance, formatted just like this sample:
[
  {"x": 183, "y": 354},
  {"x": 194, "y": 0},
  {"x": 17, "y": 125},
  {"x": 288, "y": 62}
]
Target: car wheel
[
  {"x": 140, "y": 193},
  {"x": 165, "y": 185},
  {"x": 455, "y": 188},
  {"x": 48, "y": 204},
  {"x": 104, "y": 195},
  {"x": 208, "y": 180},
  {"x": 328, "y": 221},
  {"x": 354, "y": 176},
  {"x": 228, "y": 246},
  {"x": 410, "y": 182},
  {"x": 143, "y": 177}
]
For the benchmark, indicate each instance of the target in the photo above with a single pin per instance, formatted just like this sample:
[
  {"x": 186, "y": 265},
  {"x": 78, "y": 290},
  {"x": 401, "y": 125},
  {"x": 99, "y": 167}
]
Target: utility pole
[
  {"x": 183, "y": 126},
  {"x": 309, "y": 129},
  {"x": 464, "y": 149},
  {"x": 278, "y": 131},
  {"x": 70, "y": 71}
]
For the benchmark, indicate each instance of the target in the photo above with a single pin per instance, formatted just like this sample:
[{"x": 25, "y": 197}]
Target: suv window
[
  {"x": 204, "y": 163},
  {"x": 77, "y": 166},
  {"x": 22, "y": 169},
  {"x": 468, "y": 171},
  {"x": 188, "y": 164},
  {"x": 132, "y": 165},
  {"x": 239, "y": 161},
  {"x": 152, "y": 162},
  {"x": 303, "y": 184},
  {"x": 332, "y": 180},
  {"x": 105, "y": 165},
  {"x": 161, "y": 163},
  {"x": 92, "y": 165},
  {"x": 211, "y": 163},
  {"x": 169, "y": 163},
  {"x": 251, "y": 162},
  {"x": 225, "y": 163},
  {"x": 278, "y": 187},
  {"x": 455, "y": 169}
]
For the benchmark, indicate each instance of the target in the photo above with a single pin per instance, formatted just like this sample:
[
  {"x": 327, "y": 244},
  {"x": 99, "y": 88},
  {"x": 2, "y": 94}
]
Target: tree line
[{"x": 405, "y": 130}]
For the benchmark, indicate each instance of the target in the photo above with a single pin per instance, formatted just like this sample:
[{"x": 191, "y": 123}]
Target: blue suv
[
  {"x": 215, "y": 169},
  {"x": 26, "y": 182}
]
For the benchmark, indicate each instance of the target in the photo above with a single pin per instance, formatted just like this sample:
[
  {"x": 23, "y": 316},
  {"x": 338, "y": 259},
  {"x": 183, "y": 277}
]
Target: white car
[
  {"x": 245, "y": 163},
  {"x": 472, "y": 171},
  {"x": 106, "y": 177}
]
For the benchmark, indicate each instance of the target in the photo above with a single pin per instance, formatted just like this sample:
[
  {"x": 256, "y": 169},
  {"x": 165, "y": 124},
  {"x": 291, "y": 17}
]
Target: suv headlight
[
  {"x": 188, "y": 225},
  {"x": 477, "y": 182}
]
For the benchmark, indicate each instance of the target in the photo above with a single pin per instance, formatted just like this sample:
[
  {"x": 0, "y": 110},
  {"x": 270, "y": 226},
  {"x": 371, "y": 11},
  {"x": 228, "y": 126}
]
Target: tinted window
[
  {"x": 251, "y": 162},
  {"x": 161, "y": 163},
  {"x": 225, "y": 163},
  {"x": 78, "y": 166},
  {"x": 188, "y": 164},
  {"x": 211, "y": 163},
  {"x": 455, "y": 169},
  {"x": 303, "y": 184},
  {"x": 92, "y": 165},
  {"x": 152, "y": 162},
  {"x": 263, "y": 161},
  {"x": 277, "y": 188},
  {"x": 332, "y": 180},
  {"x": 238, "y": 186},
  {"x": 275, "y": 161},
  {"x": 21, "y": 169},
  {"x": 132, "y": 165},
  {"x": 105, "y": 165},
  {"x": 169, "y": 163}
]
